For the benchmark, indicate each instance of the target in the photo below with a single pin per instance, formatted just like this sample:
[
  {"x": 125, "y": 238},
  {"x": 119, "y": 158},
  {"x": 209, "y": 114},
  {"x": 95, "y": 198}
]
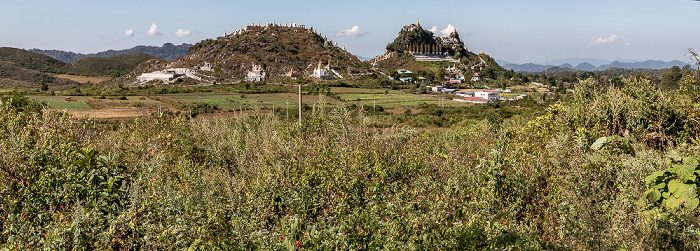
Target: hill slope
[
  {"x": 15, "y": 75},
  {"x": 31, "y": 60},
  {"x": 113, "y": 66}
]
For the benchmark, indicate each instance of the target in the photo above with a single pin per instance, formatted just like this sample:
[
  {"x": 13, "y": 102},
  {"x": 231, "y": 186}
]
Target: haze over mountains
[
  {"x": 168, "y": 52},
  {"x": 592, "y": 64}
]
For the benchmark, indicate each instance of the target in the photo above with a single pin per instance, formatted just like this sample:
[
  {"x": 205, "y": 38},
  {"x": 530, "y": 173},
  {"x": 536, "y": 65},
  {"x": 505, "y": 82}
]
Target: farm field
[
  {"x": 62, "y": 103},
  {"x": 393, "y": 99},
  {"x": 82, "y": 79},
  {"x": 135, "y": 106},
  {"x": 80, "y": 106}
]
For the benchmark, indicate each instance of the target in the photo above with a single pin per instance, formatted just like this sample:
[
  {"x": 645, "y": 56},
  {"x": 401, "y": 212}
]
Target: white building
[
  {"x": 491, "y": 96},
  {"x": 465, "y": 94},
  {"x": 162, "y": 76},
  {"x": 256, "y": 74},
  {"x": 321, "y": 72},
  {"x": 168, "y": 76}
]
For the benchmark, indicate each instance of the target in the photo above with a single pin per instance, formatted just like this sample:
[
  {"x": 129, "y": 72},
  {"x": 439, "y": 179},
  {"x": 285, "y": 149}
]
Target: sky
[{"x": 513, "y": 31}]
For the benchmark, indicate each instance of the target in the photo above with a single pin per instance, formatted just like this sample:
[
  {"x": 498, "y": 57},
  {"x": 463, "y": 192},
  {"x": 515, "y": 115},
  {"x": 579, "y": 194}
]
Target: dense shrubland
[{"x": 582, "y": 175}]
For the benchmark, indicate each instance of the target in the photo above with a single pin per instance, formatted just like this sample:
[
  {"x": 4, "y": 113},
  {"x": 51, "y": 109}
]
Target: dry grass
[
  {"x": 528, "y": 88},
  {"x": 115, "y": 113},
  {"x": 83, "y": 79}
]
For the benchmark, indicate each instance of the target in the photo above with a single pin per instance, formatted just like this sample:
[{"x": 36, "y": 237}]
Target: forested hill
[{"x": 168, "y": 52}]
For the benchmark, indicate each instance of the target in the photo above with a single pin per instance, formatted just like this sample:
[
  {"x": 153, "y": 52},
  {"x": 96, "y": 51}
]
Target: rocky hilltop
[
  {"x": 414, "y": 43},
  {"x": 414, "y": 38}
]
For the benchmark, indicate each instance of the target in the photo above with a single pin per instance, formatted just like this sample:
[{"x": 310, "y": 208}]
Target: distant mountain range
[
  {"x": 589, "y": 64},
  {"x": 168, "y": 52}
]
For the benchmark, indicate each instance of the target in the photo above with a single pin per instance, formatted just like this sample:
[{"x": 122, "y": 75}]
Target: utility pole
[
  {"x": 374, "y": 104},
  {"x": 300, "y": 104},
  {"x": 287, "y": 109}
]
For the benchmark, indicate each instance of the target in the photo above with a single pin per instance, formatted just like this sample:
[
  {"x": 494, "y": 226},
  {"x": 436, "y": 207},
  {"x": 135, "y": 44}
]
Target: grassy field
[
  {"x": 61, "y": 103},
  {"x": 393, "y": 99},
  {"x": 238, "y": 101},
  {"x": 134, "y": 105}
]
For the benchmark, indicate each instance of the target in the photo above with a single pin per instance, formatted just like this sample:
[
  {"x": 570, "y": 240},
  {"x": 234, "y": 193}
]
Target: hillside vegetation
[
  {"x": 113, "y": 66},
  {"x": 31, "y": 60},
  {"x": 21, "y": 68},
  {"x": 608, "y": 168},
  {"x": 14, "y": 75}
]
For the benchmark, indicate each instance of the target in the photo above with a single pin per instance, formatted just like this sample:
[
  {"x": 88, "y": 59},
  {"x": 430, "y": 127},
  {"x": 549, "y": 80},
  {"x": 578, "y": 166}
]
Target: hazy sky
[{"x": 515, "y": 31}]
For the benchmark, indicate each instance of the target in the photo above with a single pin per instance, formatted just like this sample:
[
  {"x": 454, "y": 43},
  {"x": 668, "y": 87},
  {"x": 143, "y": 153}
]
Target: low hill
[
  {"x": 168, "y": 52},
  {"x": 31, "y": 69},
  {"x": 15, "y": 75},
  {"x": 276, "y": 49},
  {"x": 113, "y": 66},
  {"x": 32, "y": 60}
]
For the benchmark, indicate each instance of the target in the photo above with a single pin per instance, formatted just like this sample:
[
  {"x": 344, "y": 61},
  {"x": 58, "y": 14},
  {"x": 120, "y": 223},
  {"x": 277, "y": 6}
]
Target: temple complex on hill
[
  {"x": 418, "y": 41},
  {"x": 321, "y": 72},
  {"x": 256, "y": 74}
]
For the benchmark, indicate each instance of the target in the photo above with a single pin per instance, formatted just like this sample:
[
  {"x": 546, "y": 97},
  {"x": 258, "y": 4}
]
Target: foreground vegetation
[{"x": 607, "y": 168}]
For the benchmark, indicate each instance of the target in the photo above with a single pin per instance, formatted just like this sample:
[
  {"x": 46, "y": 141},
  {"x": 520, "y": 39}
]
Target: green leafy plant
[
  {"x": 615, "y": 144},
  {"x": 675, "y": 186}
]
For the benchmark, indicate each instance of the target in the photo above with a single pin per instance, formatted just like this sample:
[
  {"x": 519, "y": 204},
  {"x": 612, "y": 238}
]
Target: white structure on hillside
[
  {"x": 168, "y": 76},
  {"x": 491, "y": 96},
  {"x": 256, "y": 74},
  {"x": 158, "y": 75},
  {"x": 321, "y": 72}
]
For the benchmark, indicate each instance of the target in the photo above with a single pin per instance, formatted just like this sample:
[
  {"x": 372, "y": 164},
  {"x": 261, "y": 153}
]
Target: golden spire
[{"x": 418, "y": 22}]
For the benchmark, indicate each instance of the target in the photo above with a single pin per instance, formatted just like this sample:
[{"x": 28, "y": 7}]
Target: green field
[
  {"x": 361, "y": 97},
  {"x": 60, "y": 102},
  {"x": 224, "y": 101},
  {"x": 238, "y": 101},
  {"x": 393, "y": 99}
]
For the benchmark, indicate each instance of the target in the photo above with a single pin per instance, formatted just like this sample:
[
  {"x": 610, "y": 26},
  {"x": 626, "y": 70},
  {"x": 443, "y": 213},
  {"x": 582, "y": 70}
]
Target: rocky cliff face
[{"x": 414, "y": 38}]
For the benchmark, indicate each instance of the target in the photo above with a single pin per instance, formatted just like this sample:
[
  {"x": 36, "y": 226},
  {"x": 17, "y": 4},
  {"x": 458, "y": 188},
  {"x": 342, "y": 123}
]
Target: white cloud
[
  {"x": 153, "y": 31},
  {"x": 129, "y": 33},
  {"x": 627, "y": 44},
  {"x": 183, "y": 33},
  {"x": 613, "y": 38},
  {"x": 447, "y": 31},
  {"x": 355, "y": 31},
  {"x": 434, "y": 29}
]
